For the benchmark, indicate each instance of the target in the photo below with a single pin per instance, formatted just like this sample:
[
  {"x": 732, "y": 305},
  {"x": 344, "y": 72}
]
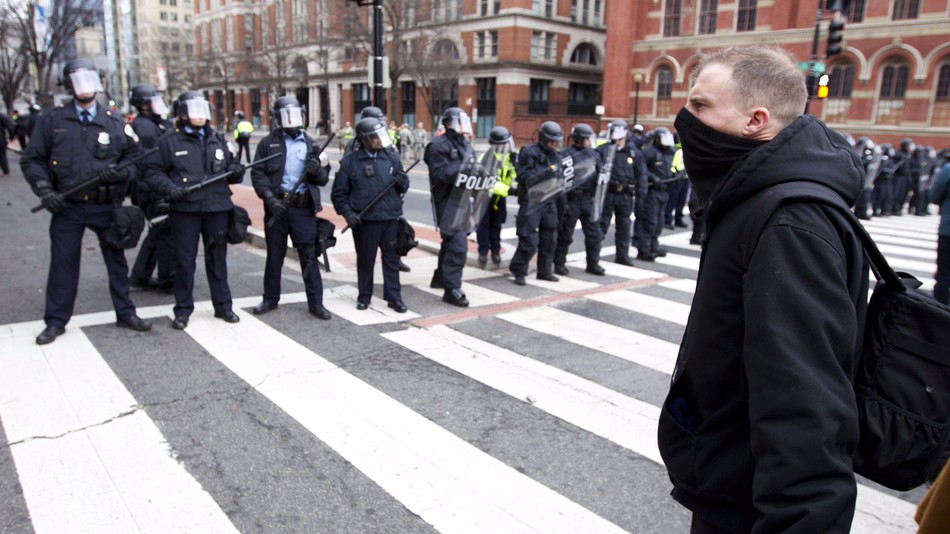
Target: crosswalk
[{"x": 533, "y": 411}]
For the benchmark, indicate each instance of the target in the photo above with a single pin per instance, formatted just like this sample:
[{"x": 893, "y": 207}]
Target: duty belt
[
  {"x": 617, "y": 187},
  {"x": 299, "y": 200}
]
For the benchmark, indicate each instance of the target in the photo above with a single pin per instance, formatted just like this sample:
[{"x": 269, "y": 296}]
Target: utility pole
[{"x": 377, "y": 5}]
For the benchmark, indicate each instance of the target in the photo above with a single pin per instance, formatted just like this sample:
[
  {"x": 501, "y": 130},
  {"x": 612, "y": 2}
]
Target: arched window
[
  {"x": 890, "y": 106},
  {"x": 745, "y": 15},
  {"x": 446, "y": 49},
  {"x": 840, "y": 82},
  {"x": 941, "y": 115},
  {"x": 664, "y": 91},
  {"x": 584, "y": 54},
  {"x": 300, "y": 67}
]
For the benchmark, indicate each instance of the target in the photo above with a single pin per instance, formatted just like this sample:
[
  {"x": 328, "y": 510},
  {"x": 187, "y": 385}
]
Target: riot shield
[
  {"x": 471, "y": 193},
  {"x": 547, "y": 188},
  {"x": 579, "y": 169},
  {"x": 600, "y": 193},
  {"x": 873, "y": 168}
]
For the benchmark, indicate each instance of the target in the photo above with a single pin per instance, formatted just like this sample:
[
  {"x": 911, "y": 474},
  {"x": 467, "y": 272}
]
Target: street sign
[{"x": 817, "y": 67}]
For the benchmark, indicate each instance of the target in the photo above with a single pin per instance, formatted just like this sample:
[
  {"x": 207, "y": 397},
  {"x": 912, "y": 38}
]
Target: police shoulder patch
[{"x": 130, "y": 132}]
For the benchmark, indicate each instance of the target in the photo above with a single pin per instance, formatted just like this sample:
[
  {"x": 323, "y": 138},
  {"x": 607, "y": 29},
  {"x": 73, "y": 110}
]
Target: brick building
[
  {"x": 891, "y": 81},
  {"x": 507, "y": 62}
]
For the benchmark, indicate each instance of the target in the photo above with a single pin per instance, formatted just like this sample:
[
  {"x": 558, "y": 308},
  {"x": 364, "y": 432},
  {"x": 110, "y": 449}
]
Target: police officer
[
  {"x": 369, "y": 112},
  {"x": 444, "y": 157},
  {"x": 883, "y": 195},
  {"x": 502, "y": 148},
  {"x": 191, "y": 154},
  {"x": 628, "y": 178},
  {"x": 579, "y": 205},
  {"x": 157, "y": 247},
  {"x": 870, "y": 158},
  {"x": 242, "y": 134},
  {"x": 289, "y": 203},
  {"x": 537, "y": 224},
  {"x": 678, "y": 190},
  {"x": 70, "y": 145},
  {"x": 346, "y": 136},
  {"x": 658, "y": 157},
  {"x": 368, "y": 171}
]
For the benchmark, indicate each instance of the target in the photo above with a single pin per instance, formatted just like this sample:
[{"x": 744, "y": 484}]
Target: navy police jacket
[
  {"x": 269, "y": 175},
  {"x": 185, "y": 159},
  {"x": 361, "y": 177},
  {"x": 63, "y": 153},
  {"x": 444, "y": 156}
]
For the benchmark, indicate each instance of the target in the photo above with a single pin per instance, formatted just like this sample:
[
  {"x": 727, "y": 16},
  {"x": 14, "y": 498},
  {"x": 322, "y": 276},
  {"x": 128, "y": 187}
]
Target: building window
[
  {"x": 229, "y": 34},
  {"x": 855, "y": 11},
  {"x": 485, "y": 90},
  {"x": 906, "y": 9},
  {"x": 582, "y": 98},
  {"x": 671, "y": 18},
  {"x": 409, "y": 103},
  {"x": 248, "y": 33},
  {"x": 540, "y": 94},
  {"x": 543, "y": 45},
  {"x": 745, "y": 15},
  {"x": 584, "y": 54},
  {"x": 890, "y": 106},
  {"x": 664, "y": 92},
  {"x": 489, "y": 7},
  {"x": 840, "y": 82},
  {"x": 544, "y": 8},
  {"x": 256, "y": 107},
  {"x": 707, "y": 17},
  {"x": 300, "y": 20},
  {"x": 361, "y": 99},
  {"x": 187, "y": 19},
  {"x": 586, "y": 12},
  {"x": 941, "y": 114},
  {"x": 163, "y": 16},
  {"x": 446, "y": 10},
  {"x": 446, "y": 50},
  {"x": 486, "y": 44}
]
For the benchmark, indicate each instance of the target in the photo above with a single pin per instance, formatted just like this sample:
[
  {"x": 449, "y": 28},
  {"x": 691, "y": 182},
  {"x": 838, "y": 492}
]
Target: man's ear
[{"x": 758, "y": 124}]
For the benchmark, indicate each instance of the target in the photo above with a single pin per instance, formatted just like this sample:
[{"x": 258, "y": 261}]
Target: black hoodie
[{"x": 759, "y": 426}]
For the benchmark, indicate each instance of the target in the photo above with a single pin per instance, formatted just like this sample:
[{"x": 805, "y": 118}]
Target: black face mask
[
  {"x": 86, "y": 100},
  {"x": 708, "y": 154}
]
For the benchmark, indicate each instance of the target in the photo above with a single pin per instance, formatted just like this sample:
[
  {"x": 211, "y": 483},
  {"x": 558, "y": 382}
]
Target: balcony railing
[{"x": 541, "y": 107}]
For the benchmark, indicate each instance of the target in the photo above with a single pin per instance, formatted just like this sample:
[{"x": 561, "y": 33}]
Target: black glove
[
  {"x": 352, "y": 219},
  {"x": 236, "y": 173},
  {"x": 112, "y": 175},
  {"x": 402, "y": 180},
  {"x": 160, "y": 207},
  {"x": 176, "y": 193},
  {"x": 52, "y": 201},
  {"x": 274, "y": 205}
]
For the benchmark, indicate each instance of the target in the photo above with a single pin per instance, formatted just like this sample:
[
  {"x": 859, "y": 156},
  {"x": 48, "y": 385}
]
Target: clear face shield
[
  {"x": 616, "y": 133},
  {"x": 380, "y": 133},
  {"x": 157, "y": 105},
  {"x": 291, "y": 117},
  {"x": 198, "y": 109},
  {"x": 504, "y": 147},
  {"x": 462, "y": 124},
  {"x": 665, "y": 139},
  {"x": 85, "y": 82}
]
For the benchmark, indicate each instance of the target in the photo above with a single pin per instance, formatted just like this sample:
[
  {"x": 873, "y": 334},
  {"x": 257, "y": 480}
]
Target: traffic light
[
  {"x": 835, "y": 38},
  {"x": 822, "y": 86}
]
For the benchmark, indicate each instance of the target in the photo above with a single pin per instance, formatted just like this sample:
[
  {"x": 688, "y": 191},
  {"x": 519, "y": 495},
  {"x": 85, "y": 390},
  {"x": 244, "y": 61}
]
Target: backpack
[
  {"x": 238, "y": 221},
  {"x": 902, "y": 382},
  {"x": 405, "y": 237}
]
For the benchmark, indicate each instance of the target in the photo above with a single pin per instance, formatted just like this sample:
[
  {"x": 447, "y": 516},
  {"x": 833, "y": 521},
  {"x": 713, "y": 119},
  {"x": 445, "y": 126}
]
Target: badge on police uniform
[
  {"x": 104, "y": 138},
  {"x": 629, "y": 160},
  {"x": 218, "y": 154},
  {"x": 130, "y": 132}
]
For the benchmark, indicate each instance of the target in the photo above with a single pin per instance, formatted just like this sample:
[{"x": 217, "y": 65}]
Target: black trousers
[
  {"x": 157, "y": 249},
  {"x": 489, "y": 230},
  {"x": 676, "y": 200},
  {"x": 186, "y": 229},
  {"x": 244, "y": 147},
  {"x": 942, "y": 285},
  {"x": 537, "y": 232},
  {"x": 452, "y": 256},
  {"x": 580, "y": 208},
  {"x": 65, "y": 232},
  {"x": 4, "y": 164},
  {"x": 368, "y": 237},
  {"x": 621, "y": 206},
  {"x": 301, "y": 225},
  {"x": 652, "y": 224}
]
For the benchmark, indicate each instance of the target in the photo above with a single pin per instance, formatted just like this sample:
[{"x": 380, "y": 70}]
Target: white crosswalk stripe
[{"x": 90, "y": 458}]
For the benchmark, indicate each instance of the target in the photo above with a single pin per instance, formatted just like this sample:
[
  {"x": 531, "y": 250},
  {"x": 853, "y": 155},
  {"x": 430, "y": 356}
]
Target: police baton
[
  {"x": 379, "y": 196},
  {"x": 285, "y": 198},
  {"x": 98, "y": 177},
  {"x": 223, "y": 175}
]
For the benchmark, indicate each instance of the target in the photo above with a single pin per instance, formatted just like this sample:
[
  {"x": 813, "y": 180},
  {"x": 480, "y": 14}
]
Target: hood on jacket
[{"x": 806, "y": 150}]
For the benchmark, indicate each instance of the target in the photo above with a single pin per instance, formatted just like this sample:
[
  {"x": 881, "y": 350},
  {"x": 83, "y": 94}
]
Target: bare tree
[
  {"x": 274, "y": 63},
  {"x": 435, "y": 67},
  {"x": 13, "y": 64},
  {"x": 47, "y": 34}
]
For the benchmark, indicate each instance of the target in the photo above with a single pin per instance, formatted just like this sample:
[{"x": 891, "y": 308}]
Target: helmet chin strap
[{"x": 86, "y": 100}]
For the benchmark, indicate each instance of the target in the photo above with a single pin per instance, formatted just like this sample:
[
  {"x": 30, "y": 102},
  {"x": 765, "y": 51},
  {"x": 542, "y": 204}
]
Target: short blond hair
[{"x": 765, "y": 76}]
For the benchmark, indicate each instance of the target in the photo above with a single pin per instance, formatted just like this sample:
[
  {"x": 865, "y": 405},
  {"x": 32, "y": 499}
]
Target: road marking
[
  {"x": 667, "y": 310},
  {"x": 435, "y": 474}
]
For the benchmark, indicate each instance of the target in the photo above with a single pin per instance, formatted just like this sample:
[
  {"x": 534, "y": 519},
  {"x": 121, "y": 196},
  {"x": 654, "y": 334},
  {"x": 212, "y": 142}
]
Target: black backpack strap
[{"x": 772, "y": 198}]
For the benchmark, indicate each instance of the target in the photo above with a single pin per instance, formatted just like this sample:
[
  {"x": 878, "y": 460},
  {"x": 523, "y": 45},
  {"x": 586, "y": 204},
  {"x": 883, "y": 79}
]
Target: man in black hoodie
[{"x": 759, "y": 426}]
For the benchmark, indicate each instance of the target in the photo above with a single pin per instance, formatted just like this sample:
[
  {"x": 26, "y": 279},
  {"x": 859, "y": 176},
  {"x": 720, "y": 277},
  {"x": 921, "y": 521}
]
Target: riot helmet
[
  {"x": 289, "y": 114},
  {"x": 146, "y": 98},
  {"x": 907, "y": 145},
  {"x": 865, "y": 142},
  {"x": 239, "y": 115},
  {"x": 373, "y": 112},
  {"x": 550, "y": 133},
  {"x": 662, "y": 138},
  {"x": 81, "y": 78},
  {"x": 618, "y": 130},
  {"x": 582, "y": 131},
  {"x": 456, "y": 119},
  {"x": 372, "y": 135},
  {"x": 501, "y": 140},
  {"x": 192, "y": 108},
  {"x": 35, "y": 108},
  {"x": 637, "y": 128}
]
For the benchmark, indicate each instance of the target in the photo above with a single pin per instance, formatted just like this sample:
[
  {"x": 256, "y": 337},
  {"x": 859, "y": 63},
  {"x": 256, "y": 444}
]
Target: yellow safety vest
[{"x": 243, "y": 127}]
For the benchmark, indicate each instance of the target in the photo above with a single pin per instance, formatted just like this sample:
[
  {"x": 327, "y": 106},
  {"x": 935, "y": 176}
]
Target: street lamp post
[
  {"x": 637, "y": 80},
  {"x": 377, "y": 49}
]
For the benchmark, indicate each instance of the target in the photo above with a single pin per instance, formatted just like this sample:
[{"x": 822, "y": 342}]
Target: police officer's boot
[
  {"x": 436, "y": 282},
  {"x": 562, "y": 269},
  {"x": 455, "y": 297},
  {"x": 596, "y": 270}
]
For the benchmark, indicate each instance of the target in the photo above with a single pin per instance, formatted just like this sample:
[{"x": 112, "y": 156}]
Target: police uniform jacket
[
  {"x": 536, "y": 163},
  {"x": 628, "y": 170},
  {"x": 149, "y": 129},
  {"x": 185, "y": 159},
  {"x": 659, "y": 164},
  {"x": 63, "y": 154},
  {"x": 269, "y": 175},
  {"x": 587, "y": 188},
  {"x": 444, "y": 156},
  {"x": 361, "y": 177}
]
